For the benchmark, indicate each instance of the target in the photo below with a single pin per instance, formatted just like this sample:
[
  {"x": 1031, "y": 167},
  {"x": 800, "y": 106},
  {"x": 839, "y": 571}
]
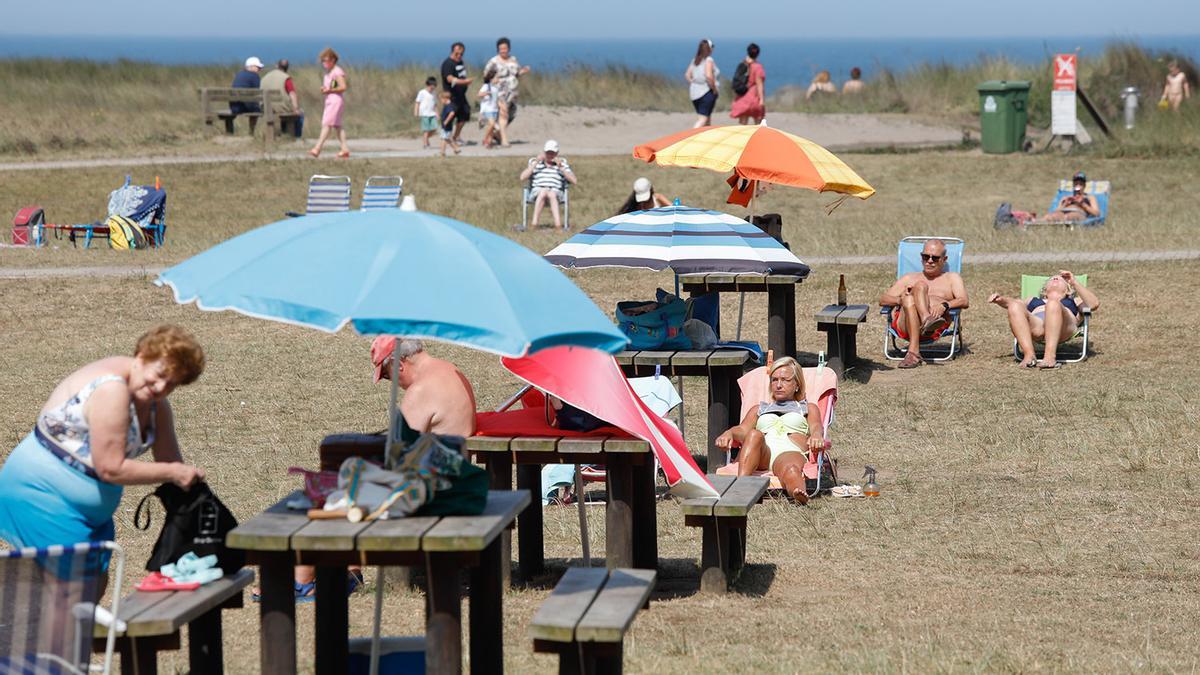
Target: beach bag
[
  {"x": 654, "y": 325},
  {"x": 125, "y": 234},
  {"x": 196, "y": 521},
  {"x": 741, "y": 79},
  {"x": 570, "y": 418},
  {"x": 1004, "y": 217}
]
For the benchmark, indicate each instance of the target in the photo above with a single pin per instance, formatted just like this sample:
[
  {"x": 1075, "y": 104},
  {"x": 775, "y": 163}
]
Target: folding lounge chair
[
  {"x": 1031, "y": 286},
  {"x": 1097, "y": 188},
  {"x": 527, "y": 197},
  {"x": 146, "y": 205},
  {"x": 382, "y": 192},
  {"x": 326, "y": 194},
  {"x": 908, "y": 259},
  {"x": 820, "y": 384},
  {"x": 49, "y": 604}
]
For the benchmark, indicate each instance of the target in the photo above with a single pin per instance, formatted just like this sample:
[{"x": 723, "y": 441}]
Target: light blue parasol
[{"x": 396, "y": 272}]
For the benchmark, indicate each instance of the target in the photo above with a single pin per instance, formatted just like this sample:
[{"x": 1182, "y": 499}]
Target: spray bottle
[{"x": 870, "y": 488}]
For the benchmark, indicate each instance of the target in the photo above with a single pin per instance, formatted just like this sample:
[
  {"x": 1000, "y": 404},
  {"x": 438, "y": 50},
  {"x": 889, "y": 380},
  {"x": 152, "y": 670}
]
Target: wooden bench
[
  {"x": 153, "y": 621},
  {"x": 840, "y": 325},
  {"x": 214, "y": 105},
  {"x": 586, "y": 616},
  {"x": 723, "y": 519}
]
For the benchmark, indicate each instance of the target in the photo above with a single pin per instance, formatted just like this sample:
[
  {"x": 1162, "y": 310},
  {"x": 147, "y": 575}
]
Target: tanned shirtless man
[{"x": 925, "y": 299}]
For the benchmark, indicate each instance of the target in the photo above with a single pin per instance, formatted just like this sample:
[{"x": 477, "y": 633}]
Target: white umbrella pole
[
  {"x": 742, "y": 295},
  {"x": 583, "y": 528},
  {"x": 387, "y": 454}
]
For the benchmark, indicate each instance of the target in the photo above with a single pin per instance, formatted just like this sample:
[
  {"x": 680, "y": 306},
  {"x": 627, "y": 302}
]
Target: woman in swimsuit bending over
[
  {"x": 1052, "y": 316},
  {"x": 779, "y": 434}
]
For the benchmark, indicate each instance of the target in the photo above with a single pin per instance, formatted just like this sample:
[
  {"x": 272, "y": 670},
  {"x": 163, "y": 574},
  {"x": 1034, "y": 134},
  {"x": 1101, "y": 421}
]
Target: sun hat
[
  {"x": 642, "y": 189},
  {"x": 254, "y": 62},
  {"x": 550, "y": 146},
  {"x": 381, "y": 348}
]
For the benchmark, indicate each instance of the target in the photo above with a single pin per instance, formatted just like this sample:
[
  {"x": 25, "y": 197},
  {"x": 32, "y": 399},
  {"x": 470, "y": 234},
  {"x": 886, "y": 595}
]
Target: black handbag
[{"x": 195, "y": 521}]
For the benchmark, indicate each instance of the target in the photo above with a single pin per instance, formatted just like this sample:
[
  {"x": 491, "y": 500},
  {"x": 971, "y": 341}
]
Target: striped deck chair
[
  {"x": 382, "y": 192},
  {"x": 1031, "y": 286},
  {"x": 49, "y": 605},
  {"x": 908, "y": 259},
  {"x": 1099, "y": 189},
  {"x": 326, "y": 194},
  {"x": 820, "y": 385}
]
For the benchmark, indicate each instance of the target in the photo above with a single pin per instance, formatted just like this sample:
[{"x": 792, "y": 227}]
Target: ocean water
[{"x": 787, "y": 61}]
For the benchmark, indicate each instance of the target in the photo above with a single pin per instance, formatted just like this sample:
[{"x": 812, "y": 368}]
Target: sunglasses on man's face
[{"x": 930, "y": 258}]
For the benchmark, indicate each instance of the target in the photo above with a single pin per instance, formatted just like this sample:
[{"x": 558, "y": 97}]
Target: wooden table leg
[
  {"x": 499, "y": 467},
  {"x": 443, "y": 629},
  {"x": 781, "y": 319},
  {"x": 714, "y": 555},
  {"x": 277, "y": 610},
  {"x": 645, "y": 516},
  {"x": 618, "y": 512},
  {"x": 722, "y": 386},
  {"x": 138, "y": 659},
  {"x": 205, "y": 652},
  {"x": 532, "y": 557},
  {"x": 332, "y": 620},
  {"x": 833, "y": 350},
  {"x": 849, "y": 344},
  {"x": 487, "y": 614}
]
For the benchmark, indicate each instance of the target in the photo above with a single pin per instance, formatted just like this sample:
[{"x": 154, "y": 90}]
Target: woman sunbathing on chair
[
  {"x": 778, "y": 435},
  {"x": 1051, "y": 316}
]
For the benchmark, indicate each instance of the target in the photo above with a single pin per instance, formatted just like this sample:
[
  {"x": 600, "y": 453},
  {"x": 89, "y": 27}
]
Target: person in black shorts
[{"x": 455, "y": 81}]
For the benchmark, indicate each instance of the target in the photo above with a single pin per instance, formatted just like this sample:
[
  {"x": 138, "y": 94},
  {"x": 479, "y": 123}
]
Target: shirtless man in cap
[
  {"x": 437, "y": 396},
  {"x": 925, "y": 299}
]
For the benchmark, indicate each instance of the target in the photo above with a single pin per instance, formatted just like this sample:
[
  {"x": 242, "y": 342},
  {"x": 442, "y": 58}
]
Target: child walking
[
  {"x": 425, "y": 107},
  {"x": 448, "y": 124},
  {"x": 489, "y": 108}
]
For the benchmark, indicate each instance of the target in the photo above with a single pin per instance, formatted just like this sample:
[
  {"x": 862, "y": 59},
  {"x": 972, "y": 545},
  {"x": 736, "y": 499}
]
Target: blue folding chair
[
  {"x": 382, "y": 192},
  {"x": 49, "y": 605},
  {"x": 1097, "y": 188},
  {"x": 326, "y": 194},
  {"x": 908, "y": 260}
]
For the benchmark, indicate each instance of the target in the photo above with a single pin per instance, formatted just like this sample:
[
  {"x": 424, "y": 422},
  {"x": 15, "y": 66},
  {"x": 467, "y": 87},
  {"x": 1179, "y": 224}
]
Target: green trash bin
[{"x": 1002, "y": 115}]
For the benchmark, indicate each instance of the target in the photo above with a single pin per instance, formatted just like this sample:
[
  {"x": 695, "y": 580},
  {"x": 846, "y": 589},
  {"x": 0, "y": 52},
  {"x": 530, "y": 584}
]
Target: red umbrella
[{"x": 592, "y": 381}]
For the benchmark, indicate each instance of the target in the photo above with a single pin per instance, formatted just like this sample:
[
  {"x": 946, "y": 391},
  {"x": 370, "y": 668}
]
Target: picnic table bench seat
[
  {"x": 723, "y": 521},
  {"x": 586, "y": 617},
  {"x": 840, "y": 325},
  {"x": 153, "y": 620}
]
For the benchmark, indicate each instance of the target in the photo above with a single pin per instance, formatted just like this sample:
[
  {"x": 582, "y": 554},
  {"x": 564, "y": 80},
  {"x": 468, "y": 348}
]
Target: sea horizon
[{"x": 788, "y": 61}]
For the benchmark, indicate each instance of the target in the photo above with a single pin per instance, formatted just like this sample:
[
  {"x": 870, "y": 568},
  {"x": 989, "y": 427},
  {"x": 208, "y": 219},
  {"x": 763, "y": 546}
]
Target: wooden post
[
  {"x": 713, "y": 558},
  {"x": 529, "y": 523},
  {"x": 619, "y": 512},
  {"x": 777, "y": 321},
  {"x": 499, "y": 466},
  {"x": 205, "y": 653},
  {"x": 332, "y": 620},
  {"x": 719, "y": 406},
  {"x": 487, "y": 611},
  {"x": 645, "y": 515},
  {"x": 277, "y": 610},
  {"x": 137, "y": 660},
  {"x": 443, "y": 641}
]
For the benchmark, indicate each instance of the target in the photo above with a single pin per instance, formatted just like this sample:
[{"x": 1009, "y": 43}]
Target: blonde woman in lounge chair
[
  {"x": 1051, "y": 316},
  {"x": 777, "y": 435}
]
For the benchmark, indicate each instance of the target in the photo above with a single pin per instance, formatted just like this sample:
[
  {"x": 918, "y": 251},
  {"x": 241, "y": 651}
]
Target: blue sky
[{"x": 599, "y": 18}]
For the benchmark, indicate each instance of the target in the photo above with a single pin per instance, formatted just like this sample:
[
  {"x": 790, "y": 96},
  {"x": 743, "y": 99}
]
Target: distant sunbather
[
  {"x": 1051, "y": 316},
  {"x": 1076, "y": 206},
  {"x": 777, "y": 435}
]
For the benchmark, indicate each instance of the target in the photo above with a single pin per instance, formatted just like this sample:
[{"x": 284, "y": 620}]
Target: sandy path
[{"x": 580, "y": 131}]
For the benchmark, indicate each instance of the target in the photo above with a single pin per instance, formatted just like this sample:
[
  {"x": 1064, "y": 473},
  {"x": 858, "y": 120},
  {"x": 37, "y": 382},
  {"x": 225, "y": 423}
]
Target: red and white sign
[{"x": 1064, "y": 72}]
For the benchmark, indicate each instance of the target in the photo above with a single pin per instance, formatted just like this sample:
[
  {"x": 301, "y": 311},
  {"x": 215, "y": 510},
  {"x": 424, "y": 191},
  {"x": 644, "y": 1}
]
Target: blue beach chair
[
  {"x": 1097, "y": 188},
  {"x": 382, "y": 192},
  {"x": 49, "y": 605},
  {"x": 908, "y": 260},
  {"x": 326, "y": 194}
]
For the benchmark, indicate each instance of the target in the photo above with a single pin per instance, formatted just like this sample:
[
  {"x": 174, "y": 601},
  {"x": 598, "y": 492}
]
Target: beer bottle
[{"x": 841, "y": 297}]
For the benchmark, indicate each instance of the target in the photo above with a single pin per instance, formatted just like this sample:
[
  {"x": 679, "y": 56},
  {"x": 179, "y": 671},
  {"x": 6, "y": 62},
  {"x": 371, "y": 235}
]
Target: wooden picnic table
[
  {"x": 722, "y": 367},
  {"x": 631, "y": 532},
  {"x": 279, "y": 538},
  {"x": 781, "y": 301}
]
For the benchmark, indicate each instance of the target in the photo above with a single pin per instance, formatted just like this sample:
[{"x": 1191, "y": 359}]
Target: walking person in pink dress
[
  {"x": 751, "y": 102},
  {"x": 333, "y": 86}
]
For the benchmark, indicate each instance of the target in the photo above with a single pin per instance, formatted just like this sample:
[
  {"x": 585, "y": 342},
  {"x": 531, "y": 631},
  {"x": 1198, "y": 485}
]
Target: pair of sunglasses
[{"x": 931, "y": 258}]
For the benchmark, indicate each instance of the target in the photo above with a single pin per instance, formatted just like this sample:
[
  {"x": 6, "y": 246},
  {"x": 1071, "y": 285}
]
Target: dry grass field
[{"x": 1029, "y": 521}]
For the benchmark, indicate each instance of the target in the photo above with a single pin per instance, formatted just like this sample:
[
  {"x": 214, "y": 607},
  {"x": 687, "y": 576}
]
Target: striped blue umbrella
[{"x": 686, "y": 239}]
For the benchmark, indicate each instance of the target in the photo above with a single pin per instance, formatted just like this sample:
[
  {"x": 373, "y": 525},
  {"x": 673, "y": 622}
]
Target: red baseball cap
[{"x": 381, "y": 348}]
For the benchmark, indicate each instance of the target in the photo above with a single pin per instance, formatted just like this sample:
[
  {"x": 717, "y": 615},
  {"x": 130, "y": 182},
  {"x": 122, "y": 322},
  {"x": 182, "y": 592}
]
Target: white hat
[
  {"x": 642, "y": 189},
  {"x": 253, "y": 62},
  {"x": 550, "y": 146}
]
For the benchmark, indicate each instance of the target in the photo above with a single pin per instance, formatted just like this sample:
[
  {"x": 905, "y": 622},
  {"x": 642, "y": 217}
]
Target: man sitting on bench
[
  {"x": 247, "y": 78},
  {"x": 925, "y": 299}
]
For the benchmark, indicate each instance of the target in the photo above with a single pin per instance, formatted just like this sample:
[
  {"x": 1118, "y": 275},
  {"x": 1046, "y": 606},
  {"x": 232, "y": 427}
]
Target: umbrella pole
[
  {"x": 742, "y": 295},
  {"x": 583, "y": 528},
  {"x": 387, "y": 458}
]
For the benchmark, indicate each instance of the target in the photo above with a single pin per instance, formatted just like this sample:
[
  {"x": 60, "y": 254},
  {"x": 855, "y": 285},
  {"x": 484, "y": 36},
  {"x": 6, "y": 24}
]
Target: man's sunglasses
[{"x": 931, "y": 258}]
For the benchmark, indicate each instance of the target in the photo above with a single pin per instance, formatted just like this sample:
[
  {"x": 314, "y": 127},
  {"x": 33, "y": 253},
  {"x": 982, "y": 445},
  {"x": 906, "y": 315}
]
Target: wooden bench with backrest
[
  {"x": 153, "y": 620},
  {"x": 214, "y": 105},
  {"x": 723, "y": 520},
  {"x": 586, "y": 616}
]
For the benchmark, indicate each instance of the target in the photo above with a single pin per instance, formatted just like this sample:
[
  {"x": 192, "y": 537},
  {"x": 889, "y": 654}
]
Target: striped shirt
[{"x": 550, "y": 177}]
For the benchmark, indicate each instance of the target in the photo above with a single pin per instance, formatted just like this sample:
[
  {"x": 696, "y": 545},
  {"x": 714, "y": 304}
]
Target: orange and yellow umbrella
[{"x": 757, "y": 153}]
